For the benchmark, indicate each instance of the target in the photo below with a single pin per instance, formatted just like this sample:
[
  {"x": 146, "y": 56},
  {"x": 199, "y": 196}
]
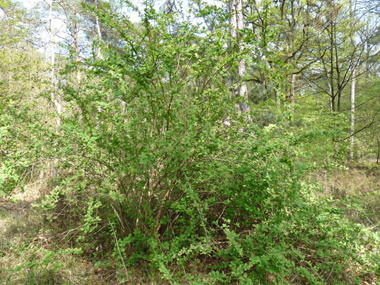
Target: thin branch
[
  {"x": 362, "y": 129},
  {"x": 118, "y": 248}
]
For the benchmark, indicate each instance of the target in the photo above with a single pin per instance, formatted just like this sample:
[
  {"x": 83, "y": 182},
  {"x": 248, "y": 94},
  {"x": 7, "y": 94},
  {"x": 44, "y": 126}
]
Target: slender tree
[
  {"x": 237, "y": 24},
  {"x": 54, "y": 96},
  {"x": 353, "y": 86}
]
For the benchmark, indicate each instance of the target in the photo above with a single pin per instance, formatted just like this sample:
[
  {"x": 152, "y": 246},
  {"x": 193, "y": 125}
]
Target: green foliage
[
  {"x": 143, "y": 154},
  {"x": 20, "y": 66},
  {"x": 143, "y": 162}
]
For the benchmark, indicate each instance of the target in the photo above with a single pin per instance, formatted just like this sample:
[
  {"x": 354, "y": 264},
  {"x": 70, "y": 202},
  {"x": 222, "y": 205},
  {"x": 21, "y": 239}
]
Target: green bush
[{"x": 156, "y": 170}]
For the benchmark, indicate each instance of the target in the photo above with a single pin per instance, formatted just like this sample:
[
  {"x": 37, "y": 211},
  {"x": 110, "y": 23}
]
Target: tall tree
[
  {"x": 237, "y": 24},
  {"x": 353, "y": 86}
]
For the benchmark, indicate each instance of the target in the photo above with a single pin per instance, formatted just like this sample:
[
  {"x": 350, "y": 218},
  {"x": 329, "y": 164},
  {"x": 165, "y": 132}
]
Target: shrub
[{"x": 157, "y": 171}]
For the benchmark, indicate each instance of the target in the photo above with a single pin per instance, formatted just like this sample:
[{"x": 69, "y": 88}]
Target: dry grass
[
  {"x": 359, "y": 184},
  {"x": 31, "y": 254},
  {"x": 27, "y": 255}
]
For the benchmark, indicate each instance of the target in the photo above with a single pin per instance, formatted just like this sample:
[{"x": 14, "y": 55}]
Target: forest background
[{"x": 168, "y": 142}]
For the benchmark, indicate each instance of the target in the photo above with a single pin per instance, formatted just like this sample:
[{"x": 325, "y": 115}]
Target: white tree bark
[
  {"x": 51, "y": 168},
  {"x": 99, "y": 122},
  {"x": 53, "y": 85},
  {"x": 76, "y": 45},
  {"x": 353, "y": 83},
  {"x": 237, "y": 23},
  {"x": 98, "y": 29},
  {"x": 293, "y": 89}
]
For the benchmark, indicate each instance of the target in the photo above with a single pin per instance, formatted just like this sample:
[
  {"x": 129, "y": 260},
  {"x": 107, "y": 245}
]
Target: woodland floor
[
  {"x": 27, "y": 253},
  {"x": 30, "y": 254}
]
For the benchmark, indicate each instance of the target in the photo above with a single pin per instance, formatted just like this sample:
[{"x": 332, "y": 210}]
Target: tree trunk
[
  {"x": 332, "y": 66},
  {"x": 98, "y": 29},
  {"x": 353, "y": 82},
  {"x": 339, "y": 85},
  {"x": 76, "y": 45},
  {"x": 378, "y": 150},
  {"x": 51, "y": 168},
  {"x": 53, "y": 87},
  {"x": 237, "y": 23},
  {"x": 293, "y": 89}
]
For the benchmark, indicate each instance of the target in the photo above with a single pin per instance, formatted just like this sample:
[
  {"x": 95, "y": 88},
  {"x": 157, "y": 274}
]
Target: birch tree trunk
[
  {"x": 293, "y": 89},
  {"x": 53, "y": 171},
  {"x": 53, "y": 86},
  {"x": 98, "y": 29},
  {"x": 353, "y": 83},
  {"x": 99, "y": 122},
  {"x": 76, "y": 45},
  {"x": 237, "y": 23}
]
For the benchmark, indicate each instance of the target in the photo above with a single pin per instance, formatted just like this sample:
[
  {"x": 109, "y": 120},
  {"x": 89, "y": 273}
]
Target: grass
[
  {"x": 32, "y": 254},
  {"x": 359, "y": 186},
  {"x": 27, "y": 253}
]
